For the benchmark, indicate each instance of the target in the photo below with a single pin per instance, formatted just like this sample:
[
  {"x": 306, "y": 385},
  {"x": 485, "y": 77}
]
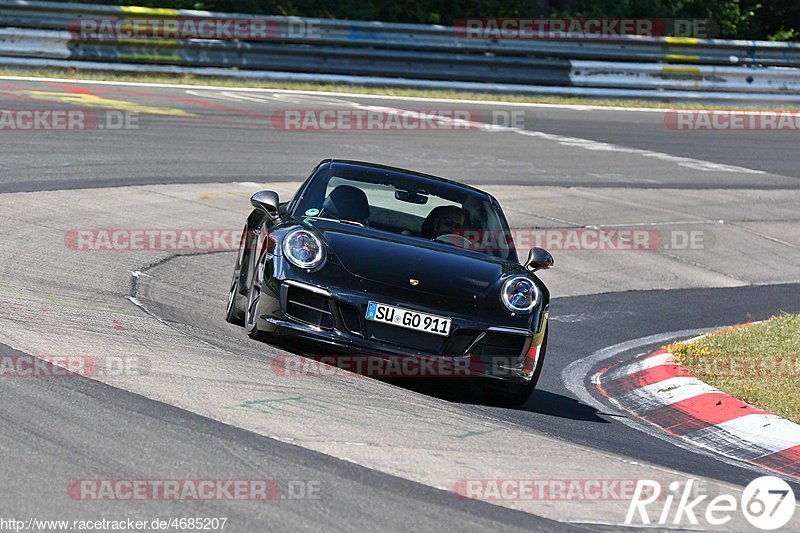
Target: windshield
[{"x": 407, "y": 204}]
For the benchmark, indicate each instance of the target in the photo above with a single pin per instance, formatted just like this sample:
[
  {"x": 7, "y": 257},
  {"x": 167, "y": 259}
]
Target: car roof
[{"x": 409, "y": 172}]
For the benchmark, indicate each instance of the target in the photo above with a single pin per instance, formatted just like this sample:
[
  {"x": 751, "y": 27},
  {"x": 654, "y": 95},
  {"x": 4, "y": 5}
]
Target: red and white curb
[{"x": 658, "y": 390}]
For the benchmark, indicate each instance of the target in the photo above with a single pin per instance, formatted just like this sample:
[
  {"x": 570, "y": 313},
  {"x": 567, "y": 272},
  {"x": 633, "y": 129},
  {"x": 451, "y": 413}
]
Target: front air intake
[
  {"x": 500, "y": 348},
  {"x": 309, "y": 307}
]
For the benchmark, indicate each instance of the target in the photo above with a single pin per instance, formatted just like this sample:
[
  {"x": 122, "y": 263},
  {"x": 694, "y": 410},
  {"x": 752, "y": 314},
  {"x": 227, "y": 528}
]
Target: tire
[
  {"x": 511, "y": 395},
  {"x": 232, "y": 313},
  {"x": 253, "y": 299},
  {"x": 516, "y": 394}
]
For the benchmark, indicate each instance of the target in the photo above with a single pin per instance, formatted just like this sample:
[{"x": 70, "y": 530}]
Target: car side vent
[
  {"x": 500, "y": 348},
  {"x": 309, "y": 307},
  {"x": 460, "y": 341}
]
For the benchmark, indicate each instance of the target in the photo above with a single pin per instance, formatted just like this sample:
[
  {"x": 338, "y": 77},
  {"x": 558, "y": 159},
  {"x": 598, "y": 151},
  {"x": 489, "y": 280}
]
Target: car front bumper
[{"x": 323, "y": 322}]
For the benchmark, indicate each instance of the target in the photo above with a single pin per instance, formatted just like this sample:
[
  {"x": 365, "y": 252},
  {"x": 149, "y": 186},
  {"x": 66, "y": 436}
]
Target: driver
[{"x": 442, "y": 220}]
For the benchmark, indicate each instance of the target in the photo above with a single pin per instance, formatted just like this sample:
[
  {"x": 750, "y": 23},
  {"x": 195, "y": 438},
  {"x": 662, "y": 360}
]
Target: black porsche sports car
[{"x": 385, "y": 262}]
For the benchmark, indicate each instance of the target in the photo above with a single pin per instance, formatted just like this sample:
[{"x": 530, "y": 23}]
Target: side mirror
[
  {"x": 267, "y": 201},
  {"x": 539, "y": 259}
]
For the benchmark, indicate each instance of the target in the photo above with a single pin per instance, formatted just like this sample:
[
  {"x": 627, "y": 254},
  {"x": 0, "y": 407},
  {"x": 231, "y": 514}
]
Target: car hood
[{"x": 377, "y": 258}]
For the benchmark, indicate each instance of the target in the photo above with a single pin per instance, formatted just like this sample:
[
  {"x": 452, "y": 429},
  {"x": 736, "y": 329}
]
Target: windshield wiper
[{"x": 350, "y": 222}]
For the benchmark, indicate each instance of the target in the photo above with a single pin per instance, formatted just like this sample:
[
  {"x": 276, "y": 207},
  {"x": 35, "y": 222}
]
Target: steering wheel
[{"x": 455, "y": 240}]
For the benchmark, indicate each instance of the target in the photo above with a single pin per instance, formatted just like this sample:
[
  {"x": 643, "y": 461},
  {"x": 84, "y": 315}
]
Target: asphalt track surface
[
  {"x": 579, "y": 327},
  {"x": 74, "y": 430},
  {"x": 173, "y": 146},
  {"x": 81, "y": 428}
]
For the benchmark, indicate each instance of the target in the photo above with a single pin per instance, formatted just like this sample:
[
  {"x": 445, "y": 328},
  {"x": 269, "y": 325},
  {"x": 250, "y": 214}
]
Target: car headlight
[
  {"x": 519, "y": 294},
  {"x": 303, "y": 249}
]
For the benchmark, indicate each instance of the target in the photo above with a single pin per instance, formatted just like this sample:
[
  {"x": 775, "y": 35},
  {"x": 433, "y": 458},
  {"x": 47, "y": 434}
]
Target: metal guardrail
[{"x": 355, "y": 52}]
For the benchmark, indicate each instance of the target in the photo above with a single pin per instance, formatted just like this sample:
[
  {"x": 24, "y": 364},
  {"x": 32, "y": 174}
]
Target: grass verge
[
  {"x": 187, "y": 79},
  {"x": 757, "y": 363}
]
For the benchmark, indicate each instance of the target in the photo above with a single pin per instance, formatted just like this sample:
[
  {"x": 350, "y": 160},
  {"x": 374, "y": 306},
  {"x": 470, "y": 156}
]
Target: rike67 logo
[{"x": 767, "y": 503}]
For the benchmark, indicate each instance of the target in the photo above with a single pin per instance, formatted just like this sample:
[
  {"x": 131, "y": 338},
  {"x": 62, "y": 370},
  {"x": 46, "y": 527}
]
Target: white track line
[
  {"x": 637, "y": 366},
  {"x": 666, "y": 392},
  {"x": 782, "y": 434},
  {"x": 687, "y": 162},
  {"x": 674, "y": 390},
  {"x": 571, "y": 107}
]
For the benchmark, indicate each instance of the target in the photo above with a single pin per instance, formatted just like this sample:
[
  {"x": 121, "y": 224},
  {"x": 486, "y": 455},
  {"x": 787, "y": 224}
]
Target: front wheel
[
  {"x": 253, "y": 300},
  {"x": 232, "y": 313}
]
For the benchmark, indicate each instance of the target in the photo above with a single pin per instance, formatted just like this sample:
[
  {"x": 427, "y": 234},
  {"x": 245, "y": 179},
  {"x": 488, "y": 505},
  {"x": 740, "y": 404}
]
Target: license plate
[{"x": 406, "y": 318}]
